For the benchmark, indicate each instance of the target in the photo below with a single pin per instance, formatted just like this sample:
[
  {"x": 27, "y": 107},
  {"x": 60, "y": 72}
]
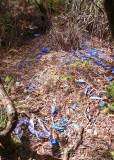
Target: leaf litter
[{"x": 63, "y": 89}]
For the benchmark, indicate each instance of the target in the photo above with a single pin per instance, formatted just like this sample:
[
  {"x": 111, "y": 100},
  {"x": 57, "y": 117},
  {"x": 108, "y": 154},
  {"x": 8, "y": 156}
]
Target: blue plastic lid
[
  {"x": 101, "y": 104},
  {"x": 36, "y": 35},
  {"x": 20, "y": 65},
  {"x": 64, "y": 121},
  {"x": 27, "y": 85},
  {"x": 109, "y": 79},
  {"x": 39, "y": 56},
  {"x": 44, "y": 50},
  {"x": 53, "y": 142}
]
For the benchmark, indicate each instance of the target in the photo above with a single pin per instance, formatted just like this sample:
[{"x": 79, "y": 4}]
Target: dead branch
[
  {"x": 73, "y": 148},
  {"x": 11, "y": 114}
]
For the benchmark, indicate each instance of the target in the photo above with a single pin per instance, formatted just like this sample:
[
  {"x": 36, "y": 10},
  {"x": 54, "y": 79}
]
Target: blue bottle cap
[
  {"x": 44, "y": 50},
  {"x": 20, "y": 65},
  {"x": 52, "y": 142},
  {"x": 109, "y": 79}
]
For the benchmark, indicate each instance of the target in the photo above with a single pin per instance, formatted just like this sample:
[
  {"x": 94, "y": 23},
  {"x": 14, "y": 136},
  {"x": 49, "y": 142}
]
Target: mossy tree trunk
[
  {"x": 5, "y": 135},
  {"x": 109, "y": 8}
]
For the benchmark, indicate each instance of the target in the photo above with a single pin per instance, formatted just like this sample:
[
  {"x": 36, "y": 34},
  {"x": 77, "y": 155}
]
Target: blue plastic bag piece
[
  {"x": 112, "y": 72},
  {"x": 39, "y": 56},
  {"x": 102, "y": 93},
  {"x": 44, "y": 50},
  {"x": 105, "y": 65},
  {"x": 36, "y": 35},
  {"x": 20, "y": 65},
  {"x": 109, "y": 79},
  {"x": 63, "y": 128},
  {"x": 67, "y": 62},
  {"x": 80, "y": 81},
  {"x": 22, "y": 120},
  {"x": 85, "y": 36},
  {"x": 27, "y": 85},
  {"x": 94, "y": 61},
  {"x": 74, "y": 127},
  {"x": 101, "y": 74},
  {"x": 98, "y": 98},
  {"x": 104, "y": 57},
  {"x": 38, "y": 45},
  {"x": 99, "y": 62},
  {"x": 103, "y": 52},
  {"x": 17, "y": 83},
  {"x": 85, "y": 94},
  {"x": 80, "y": 71},
  {"x": 101, "y": 104},
  {"x": 64, "y": 121},
  {"x": 4, "y": 109},
  {"x": 38, "y": 134},
  {"x": 112, "y": 69},
  {"x": 74, "y": 106},
  {"x": 68, "y": 36},
  {"x": 52, "y": 142},
  {"x": 53, "y": 110},
  {"x": 58, "y": 127},
  {"x": 96, "y": 54}
]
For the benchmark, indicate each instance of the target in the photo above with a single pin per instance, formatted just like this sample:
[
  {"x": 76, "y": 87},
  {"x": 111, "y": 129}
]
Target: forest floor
[{"x": 65, "y": 91}]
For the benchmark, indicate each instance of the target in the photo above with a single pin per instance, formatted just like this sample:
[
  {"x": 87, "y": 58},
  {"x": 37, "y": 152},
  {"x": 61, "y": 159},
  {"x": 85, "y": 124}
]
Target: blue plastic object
[
  {"x": 109, "y": 79},
  {"x": 101, "y": 74},
  {"x": 64, "y": 121},
  {"x": 20, "y": 65},
  {"x": 38, "y": 45},
  {"x": 80, "y": 81},
  {"x": 39, "y": 56},
  {"x": 53, "y": 142},
  {"x": 101, "y": 104},
  {"x": 27, "y": 85},
  {"x": 105, "y": 65},
  {"x": 99, "y": 62},
  {"x": 36, "y": 35},
  {"x": 4, "y": 109},
  {"x": 44, "y": 50},
  {"x": 53, "y": 110},
  {"x": 74, "y": 106},
  {"x": 85, "y": 92}
]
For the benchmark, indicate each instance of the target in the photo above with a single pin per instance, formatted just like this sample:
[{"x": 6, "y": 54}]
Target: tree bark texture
[
  {"x": 109, "y": 8},
  {"x": 11, "y": 114}
]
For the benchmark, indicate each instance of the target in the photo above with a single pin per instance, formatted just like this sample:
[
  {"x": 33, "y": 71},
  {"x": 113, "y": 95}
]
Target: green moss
[{"x": 13, "y": 147}]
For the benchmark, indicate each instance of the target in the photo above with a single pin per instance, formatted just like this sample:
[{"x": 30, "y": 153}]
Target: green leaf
[
  {"x": 112, "y": 153},
  {"x": 8, "y": 79},
  {"x": 105, "y": 110},
  {"x": 64, "y": 77},
  {"x": 111, "y": 106}
]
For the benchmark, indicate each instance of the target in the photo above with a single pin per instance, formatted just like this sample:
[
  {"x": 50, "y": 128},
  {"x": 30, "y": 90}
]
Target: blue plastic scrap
[
  {"x": 101, "y": 74},
  {"x": 101, "y": 104},
  {"x": 4, "y": 109},
  {"x": 85, "y": 94},
  {"x": 64, "y": 121},
  {"x": 20, "y": 65},
  {"x": 80, "y": 81},
  {"x": 53, "y": 110},
  {"x": 58, "y": 127},
  {"x": 36, "y": 35},
  {"x": 109, "y": 79},
  {"x": 44, "y": 50},
  {"x": 44, "y": 134},
  {"x": 52, "y": 142},
  {"x": 97, "y": 98},
  {"x": 74, "y": 106},
  {"x": 39, "y": 56}
]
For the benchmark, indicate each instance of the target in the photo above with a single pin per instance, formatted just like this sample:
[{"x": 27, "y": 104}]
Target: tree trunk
[
  {"x": 109, "y": 8},
  {"x": 5, "y": 135}
]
